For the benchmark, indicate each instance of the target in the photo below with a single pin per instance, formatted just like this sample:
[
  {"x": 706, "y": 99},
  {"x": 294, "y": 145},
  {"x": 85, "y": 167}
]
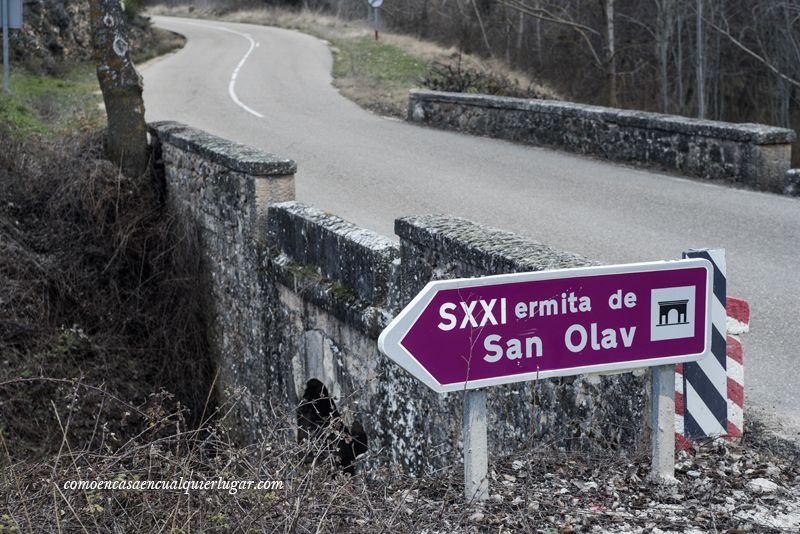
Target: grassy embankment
[
  {"x": 376, "y": 75},
  {"x": 46, "y": 105},
  {"x": 78, "y": 262}
]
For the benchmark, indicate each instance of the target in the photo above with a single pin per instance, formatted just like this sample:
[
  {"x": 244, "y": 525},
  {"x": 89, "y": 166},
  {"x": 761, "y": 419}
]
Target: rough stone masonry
[
  {"x": 754, "y": 155},
  {"x": 296, "y": 294}
]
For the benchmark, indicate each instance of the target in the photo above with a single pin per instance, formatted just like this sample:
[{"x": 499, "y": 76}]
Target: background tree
[
  {"x": 611, "y": 56},
  {"x": 665, "y": 27},
  {"x": 700, "y": 60}
]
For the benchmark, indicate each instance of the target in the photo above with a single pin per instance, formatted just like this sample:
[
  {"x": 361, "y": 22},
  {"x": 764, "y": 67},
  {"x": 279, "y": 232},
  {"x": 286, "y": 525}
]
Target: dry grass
[
  {"x": 96, "y": 285},
  {"x": 540, "y": 490},
  {"x": 37, "y": 500}
]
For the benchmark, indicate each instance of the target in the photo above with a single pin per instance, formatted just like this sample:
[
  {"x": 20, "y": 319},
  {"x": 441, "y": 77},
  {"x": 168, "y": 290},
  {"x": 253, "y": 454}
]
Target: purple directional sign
[{"x": 476, "y": 332}]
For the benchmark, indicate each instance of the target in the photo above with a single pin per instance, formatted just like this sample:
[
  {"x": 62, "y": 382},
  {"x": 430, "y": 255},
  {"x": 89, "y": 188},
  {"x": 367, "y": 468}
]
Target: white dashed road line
[{"x": 232, "y": 83}]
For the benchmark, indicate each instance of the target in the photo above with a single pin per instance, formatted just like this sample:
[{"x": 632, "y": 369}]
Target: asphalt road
[{"x": 370, "y": 170}]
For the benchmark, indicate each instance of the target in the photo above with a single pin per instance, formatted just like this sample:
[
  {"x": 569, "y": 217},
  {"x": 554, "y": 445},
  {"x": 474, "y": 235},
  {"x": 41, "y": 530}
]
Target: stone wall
[
  {"x": 792, "y": 186},
  {"x": 298, "y": 294},
  {"x": 754, "y": 155},
  {"x": 338, "y": 286},
  {"x": 223, "y": 189}
]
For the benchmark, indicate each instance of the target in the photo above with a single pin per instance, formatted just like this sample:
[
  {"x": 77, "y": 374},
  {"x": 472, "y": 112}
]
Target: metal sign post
[
  {"x": 11, "y": 17},
  {"x": 472, "y": 333},
  {"x": 662, "y": 424},
  {"x": 376, "y": 4},
  {"x": 476, "y": 450}
]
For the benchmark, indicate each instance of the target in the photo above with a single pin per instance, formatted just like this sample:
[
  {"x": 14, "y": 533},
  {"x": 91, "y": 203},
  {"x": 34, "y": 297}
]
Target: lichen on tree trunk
[{"x": 122, "y": 87}]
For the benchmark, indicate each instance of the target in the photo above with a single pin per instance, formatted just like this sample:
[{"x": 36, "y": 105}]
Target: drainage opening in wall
[{"x": 323, "y": 430}]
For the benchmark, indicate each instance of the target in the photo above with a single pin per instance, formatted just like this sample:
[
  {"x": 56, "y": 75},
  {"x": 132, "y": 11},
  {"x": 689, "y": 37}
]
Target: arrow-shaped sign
[{"x": 477, "y": 332}]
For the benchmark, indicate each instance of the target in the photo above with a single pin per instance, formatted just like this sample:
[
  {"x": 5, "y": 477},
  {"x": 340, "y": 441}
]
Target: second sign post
[{"x": 375, "y": 4}]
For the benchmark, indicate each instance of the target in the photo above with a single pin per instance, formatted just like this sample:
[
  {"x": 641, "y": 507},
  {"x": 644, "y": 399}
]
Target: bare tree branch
[
  {"x": 753, "y": 54},
  {"x": 542, "y": 14}
]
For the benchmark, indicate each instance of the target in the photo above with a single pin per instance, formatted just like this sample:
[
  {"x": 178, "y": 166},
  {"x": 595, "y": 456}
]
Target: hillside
[{"x": 56, "y": 33}]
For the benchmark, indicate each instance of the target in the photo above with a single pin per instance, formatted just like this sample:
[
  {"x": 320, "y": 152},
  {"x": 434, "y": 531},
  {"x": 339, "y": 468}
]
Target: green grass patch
[
  {"x": 364, "y": 57},
  {"x": 46, "y": 106},
  {"x": 343, "y": 292}
]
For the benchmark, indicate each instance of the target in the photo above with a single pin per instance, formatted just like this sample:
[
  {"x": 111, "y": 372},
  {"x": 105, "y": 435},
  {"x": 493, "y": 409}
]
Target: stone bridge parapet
[{"x": 754, "y": 155}]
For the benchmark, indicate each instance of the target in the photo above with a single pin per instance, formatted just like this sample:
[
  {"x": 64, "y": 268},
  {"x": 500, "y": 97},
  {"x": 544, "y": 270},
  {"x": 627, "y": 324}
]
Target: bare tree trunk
[
  {"x": 611, "y": 59},
  {"x": 700, "y": 65},
  {"x": 122, "y": 88},
  {"x": 789, "y": 44},
  {"x": 681, "y": 96},
  {"x": 539, "y": 41},
  {"x": 508, "y": 26},
  {"x": 664, "y": 28},
  {"x": 483, "y": 30},
  {"x": 716, "y": 71}
]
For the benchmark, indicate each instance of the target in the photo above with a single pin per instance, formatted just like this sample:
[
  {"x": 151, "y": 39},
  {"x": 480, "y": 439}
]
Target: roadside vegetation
[
  {"x": 56, "y": 99},
  {"x": 375, "y": 75},
  {"x": 43, "y": 104}
]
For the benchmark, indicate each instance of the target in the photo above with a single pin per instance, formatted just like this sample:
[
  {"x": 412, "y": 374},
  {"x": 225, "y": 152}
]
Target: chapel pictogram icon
[{"x": 672, "y": 312}]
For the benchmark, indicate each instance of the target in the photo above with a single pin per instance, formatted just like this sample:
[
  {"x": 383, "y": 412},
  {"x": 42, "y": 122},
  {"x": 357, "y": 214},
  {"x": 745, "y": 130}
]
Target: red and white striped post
[{"x": 738, "y": 324}]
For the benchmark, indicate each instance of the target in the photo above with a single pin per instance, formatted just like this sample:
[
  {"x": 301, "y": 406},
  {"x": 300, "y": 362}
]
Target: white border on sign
[{"x": 389, "y": 340}]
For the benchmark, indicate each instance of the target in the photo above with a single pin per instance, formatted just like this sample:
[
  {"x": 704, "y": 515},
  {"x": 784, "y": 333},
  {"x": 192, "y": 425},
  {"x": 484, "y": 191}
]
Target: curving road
[{"x": 271, "y": 88}]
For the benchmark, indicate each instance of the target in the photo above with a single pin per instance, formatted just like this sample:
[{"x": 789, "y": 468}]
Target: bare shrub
[
  {"x": 540, "y": 489},
  {"x": 97, "y": 283},
  {"x": 457, "y": 77}
]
